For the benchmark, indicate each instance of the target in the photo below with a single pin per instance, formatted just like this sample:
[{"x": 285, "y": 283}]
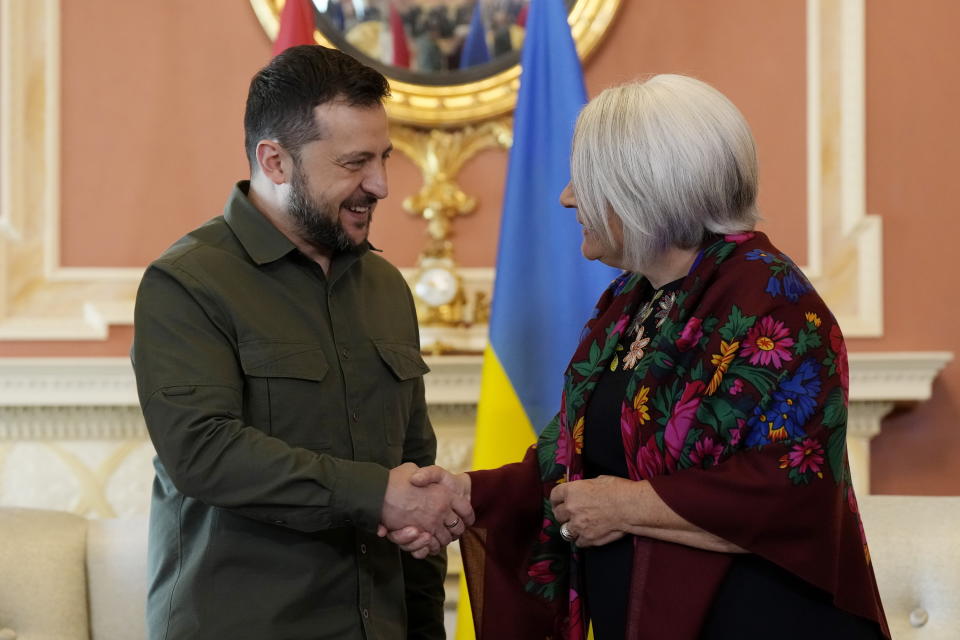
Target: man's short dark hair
[{"x": 284, "y": 93}]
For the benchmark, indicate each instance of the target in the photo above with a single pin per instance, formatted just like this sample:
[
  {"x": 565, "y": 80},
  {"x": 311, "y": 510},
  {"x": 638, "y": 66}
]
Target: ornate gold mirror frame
[
  {"x": 432, "y": 105},
  {"x": 42, "y": 300}
]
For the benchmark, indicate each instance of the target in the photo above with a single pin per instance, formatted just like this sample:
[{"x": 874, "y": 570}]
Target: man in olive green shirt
[{"x": 279, "y": 371}]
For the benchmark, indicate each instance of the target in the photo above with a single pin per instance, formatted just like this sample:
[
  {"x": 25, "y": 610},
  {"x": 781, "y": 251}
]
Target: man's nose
[{"x": 375, "y": 182}]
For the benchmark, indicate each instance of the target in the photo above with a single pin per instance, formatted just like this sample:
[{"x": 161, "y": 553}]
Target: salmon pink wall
[
  {"x": 153, "y": 117},
  {"x": 913, "y": 152},
  {"x": 152, "y": 121},
  {"x": 152, "y": 141}
]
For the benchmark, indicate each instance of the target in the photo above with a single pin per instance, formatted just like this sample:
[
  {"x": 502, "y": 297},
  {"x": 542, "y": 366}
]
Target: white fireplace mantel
[
  {"x": 81, "y": 415},
  {"x": 895, "y": 377}
]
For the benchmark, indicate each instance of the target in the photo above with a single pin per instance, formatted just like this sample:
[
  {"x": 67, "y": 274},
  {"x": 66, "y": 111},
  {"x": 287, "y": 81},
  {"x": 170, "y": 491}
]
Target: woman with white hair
[{"x": 694, "y": 483}]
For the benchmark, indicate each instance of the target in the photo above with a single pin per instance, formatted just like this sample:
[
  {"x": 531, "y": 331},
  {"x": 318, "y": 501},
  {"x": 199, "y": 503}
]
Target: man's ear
[{"x": 273, "y": 161}]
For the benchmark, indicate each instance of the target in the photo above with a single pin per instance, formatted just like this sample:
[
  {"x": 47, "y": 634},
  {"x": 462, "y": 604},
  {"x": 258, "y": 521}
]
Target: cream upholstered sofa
[
  {"x": 915, "y": 545},
  {"x": 63, "y": 577},
  {"x": 66, "y": 578}
]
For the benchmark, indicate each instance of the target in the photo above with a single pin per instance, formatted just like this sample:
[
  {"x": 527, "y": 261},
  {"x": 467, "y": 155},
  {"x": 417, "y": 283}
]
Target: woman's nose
[{"x": 567, "y": 198}]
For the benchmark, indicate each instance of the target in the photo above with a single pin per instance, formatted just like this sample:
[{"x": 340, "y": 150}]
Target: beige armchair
[{"x": 63, "y": 577}]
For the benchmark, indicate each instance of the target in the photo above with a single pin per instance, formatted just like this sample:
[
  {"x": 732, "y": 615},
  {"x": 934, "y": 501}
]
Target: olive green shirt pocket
[
  {"x": 285, "y": 397},
  {"x": 406, "y": 366}
]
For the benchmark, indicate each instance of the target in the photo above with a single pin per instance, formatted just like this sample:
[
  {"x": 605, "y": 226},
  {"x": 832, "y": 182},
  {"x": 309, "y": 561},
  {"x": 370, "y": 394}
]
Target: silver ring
[
  {"x": 452, "y": 524},
  {"x": 565, "y": 533}
]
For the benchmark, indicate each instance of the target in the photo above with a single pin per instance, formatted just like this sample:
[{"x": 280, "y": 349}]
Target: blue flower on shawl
[
  {"x": 786, "y": 279},
  {"x": 773, "y": 286},
  {"x": 789, "y": 409},
  {"x": 760, "y": 254},
  {"x": 620, "y": 282},
  {"x": 795, "y": 284}
]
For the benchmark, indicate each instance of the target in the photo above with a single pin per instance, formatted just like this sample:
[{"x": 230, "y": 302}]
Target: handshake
[{"x": 425, "y": 509}]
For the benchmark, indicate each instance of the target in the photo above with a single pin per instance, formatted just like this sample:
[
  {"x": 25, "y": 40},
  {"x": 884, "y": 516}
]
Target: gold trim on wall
[
  {"x": 42, "y": 300},
  {"x": 457, "y": 104}
]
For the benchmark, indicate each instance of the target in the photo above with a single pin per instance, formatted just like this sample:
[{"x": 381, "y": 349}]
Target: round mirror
[{"x": 450, "y": 62}]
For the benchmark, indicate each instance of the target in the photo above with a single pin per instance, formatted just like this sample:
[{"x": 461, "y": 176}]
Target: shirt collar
[{"x": 262, "y": 241}]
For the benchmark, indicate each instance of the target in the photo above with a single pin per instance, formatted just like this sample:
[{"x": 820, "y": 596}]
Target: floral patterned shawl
[{"x": 736, "y": 414}]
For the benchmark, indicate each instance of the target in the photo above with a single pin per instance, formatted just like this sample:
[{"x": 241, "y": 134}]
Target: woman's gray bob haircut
[{"x": 672, "y": 158}]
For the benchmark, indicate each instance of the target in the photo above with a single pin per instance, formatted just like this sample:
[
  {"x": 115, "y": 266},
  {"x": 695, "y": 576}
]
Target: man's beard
[{"x": 318, "y": 221}]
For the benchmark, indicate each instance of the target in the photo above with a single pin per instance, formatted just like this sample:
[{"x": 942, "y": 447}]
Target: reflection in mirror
[{"x": 428, "y": 41}]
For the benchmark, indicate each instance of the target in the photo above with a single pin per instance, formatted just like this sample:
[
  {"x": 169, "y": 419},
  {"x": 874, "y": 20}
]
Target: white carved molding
[
  {"x": 901, "y": 376},
  {"x": 80, "y": 422},
  {"x": 42, "y": 300},
  {"x": 844, "y": 243},
  {"x": 94, "y": 399},
  {"x": 878, "y": 382},
  {"x": 904, "y": 376},
  {"x": 62, "y": 382},
  {"x": 864, "y": 421}
]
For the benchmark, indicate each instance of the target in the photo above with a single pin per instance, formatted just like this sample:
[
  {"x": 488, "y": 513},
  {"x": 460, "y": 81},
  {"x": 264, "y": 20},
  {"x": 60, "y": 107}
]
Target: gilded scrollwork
[{"x": 440, "y": 154}]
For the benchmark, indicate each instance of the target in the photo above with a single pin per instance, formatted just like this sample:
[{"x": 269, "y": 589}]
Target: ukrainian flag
[
  {"x": 475, "y": 50},
  {"x": 544, "y": 289}
]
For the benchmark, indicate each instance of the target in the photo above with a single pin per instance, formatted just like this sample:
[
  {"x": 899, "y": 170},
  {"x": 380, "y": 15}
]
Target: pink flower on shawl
[
  {"x": 576, "y": 616},
  {"x": 706, "y": 448},
  {"x": 650, "y": 460},
  {"x": 540, "y": 572},
  {"x": 684, "y": 413},
  {"x": 739, "y": 238},
  {"x": 736, "y": 387},
  {"x": 690, "y": 335},
  {"x": 543, "y": 537},
  {"x": 807, "y": 455},
  {"x": 840, "y": 348},
  {"x": 767, "y": 343},
  {"x": 737, "y": 433},
  {"x": 621, "y": 324},
  {"x": 564, "y": 451},
  {"x": 642, "y": 461}
]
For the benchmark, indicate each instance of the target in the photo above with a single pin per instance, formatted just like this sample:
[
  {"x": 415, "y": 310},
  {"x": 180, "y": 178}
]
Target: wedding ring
[
  {"x": 565, "y": 533},
  {"x": 452, "y": 524}
]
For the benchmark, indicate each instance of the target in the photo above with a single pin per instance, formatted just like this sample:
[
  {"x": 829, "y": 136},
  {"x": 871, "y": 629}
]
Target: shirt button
[
  {"x": 363, "y": 548},
  {"x": 366, "y": 613},
  {"x": 345, "y": 353},
  {"x": 356, "y": 415}
]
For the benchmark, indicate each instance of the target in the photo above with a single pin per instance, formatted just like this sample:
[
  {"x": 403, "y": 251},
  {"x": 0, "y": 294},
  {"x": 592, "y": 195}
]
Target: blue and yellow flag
[
  {"x": 544, "y": 289},
  {"x": 475, "y": 49}
]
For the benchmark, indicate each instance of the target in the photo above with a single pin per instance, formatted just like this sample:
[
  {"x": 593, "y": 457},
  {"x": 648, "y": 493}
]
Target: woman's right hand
[{"x": 420, "y": 543}]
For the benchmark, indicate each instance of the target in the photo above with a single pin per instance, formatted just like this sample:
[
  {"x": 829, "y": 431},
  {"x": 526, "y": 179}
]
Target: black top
[{"x": 607, "y": 568}]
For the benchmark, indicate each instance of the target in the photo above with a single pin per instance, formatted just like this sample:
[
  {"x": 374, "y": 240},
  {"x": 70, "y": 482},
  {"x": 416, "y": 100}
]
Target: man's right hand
[{"x": 420, "y": 504}]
